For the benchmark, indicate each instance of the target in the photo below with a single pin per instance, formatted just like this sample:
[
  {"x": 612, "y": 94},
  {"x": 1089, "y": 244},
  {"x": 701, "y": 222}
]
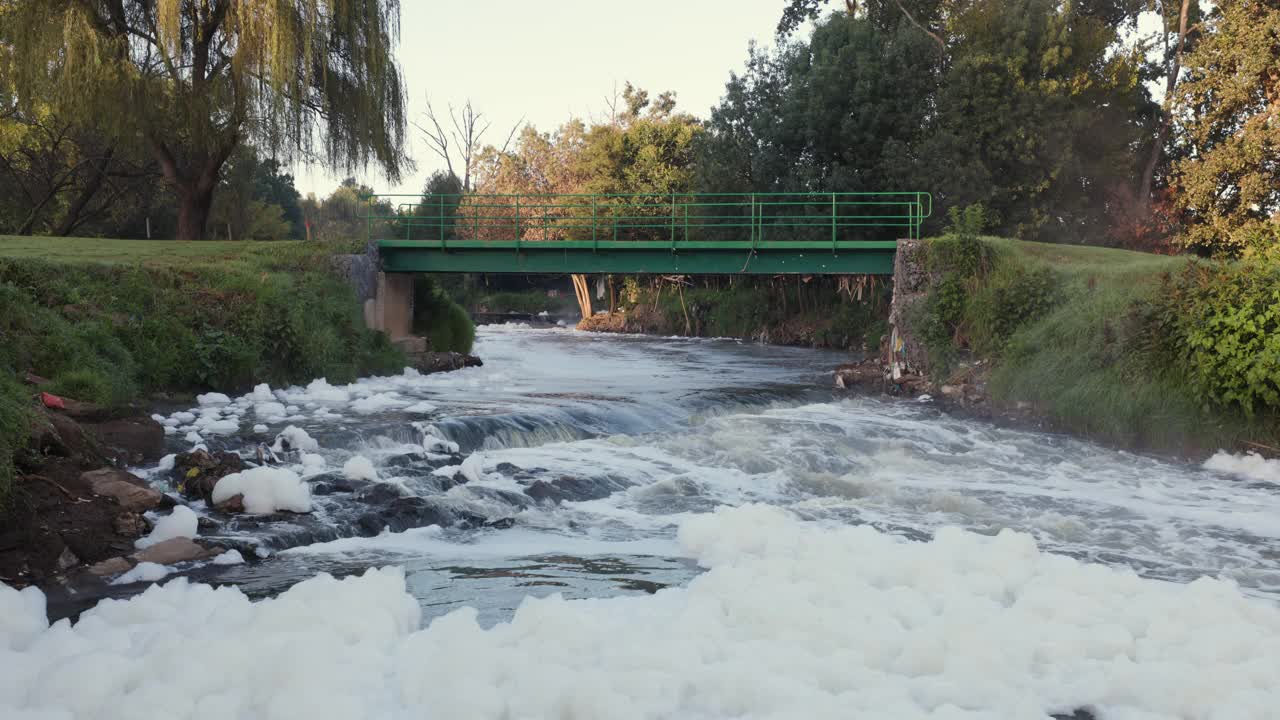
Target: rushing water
[
  {"x": 636, "y": 433},
  {"x": 808, "y": 540}
]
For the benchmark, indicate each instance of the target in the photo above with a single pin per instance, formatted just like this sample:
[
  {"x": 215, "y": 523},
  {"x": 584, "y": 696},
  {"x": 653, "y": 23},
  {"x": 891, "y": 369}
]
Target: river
[{"x": 802, "y": 545}]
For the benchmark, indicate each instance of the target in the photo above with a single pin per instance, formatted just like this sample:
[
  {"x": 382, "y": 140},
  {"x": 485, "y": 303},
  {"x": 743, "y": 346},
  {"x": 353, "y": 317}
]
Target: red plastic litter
[{"x": 52, "y": 401}]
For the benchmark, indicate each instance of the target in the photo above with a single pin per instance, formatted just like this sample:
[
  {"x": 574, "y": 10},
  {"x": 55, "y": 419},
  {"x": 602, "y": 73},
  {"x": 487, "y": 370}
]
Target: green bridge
[{"x": 680, "y": 233}]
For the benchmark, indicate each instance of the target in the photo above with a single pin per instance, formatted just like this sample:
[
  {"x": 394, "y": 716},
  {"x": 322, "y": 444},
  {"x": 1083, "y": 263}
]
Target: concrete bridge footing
[
  {"x": 386, "y": 298},
  {"x": 391, "y": 306}
]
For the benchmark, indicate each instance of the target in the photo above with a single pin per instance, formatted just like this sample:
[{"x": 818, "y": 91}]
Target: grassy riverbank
[
  {"x": 1095, "y": 339},
  {"x": 117, "y": 322}
]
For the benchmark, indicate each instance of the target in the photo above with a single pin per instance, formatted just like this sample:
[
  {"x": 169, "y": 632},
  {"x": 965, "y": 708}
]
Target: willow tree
[{"x": 313, "y": 80}]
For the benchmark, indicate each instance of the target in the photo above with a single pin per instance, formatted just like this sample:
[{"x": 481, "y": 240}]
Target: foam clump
[
  {"x": 213, "y": 398},
  {"x": 269, "y": 410},
  {"x": 265, "y": 490},
  {"x": 360, "y": 468},
  {"x": 472, "y": 468},
  {"x": 791, "y": 620},
  {"x": 142, "y": 572},
  {"x": 228, "y": 426},
  {"x": 321, "y": 391},
  {"x": 377, "y": 403},
  {"x": 295, "y": 438},
  {"x": 230, "y": 557},
  {"x": 182, "y": 522},
  {"x": 312, "y": 461},
  {"x": 1249, "y": 465}
]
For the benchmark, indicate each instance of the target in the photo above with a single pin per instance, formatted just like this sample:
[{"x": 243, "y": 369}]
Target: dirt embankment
[{"x": 75, "y": 511}]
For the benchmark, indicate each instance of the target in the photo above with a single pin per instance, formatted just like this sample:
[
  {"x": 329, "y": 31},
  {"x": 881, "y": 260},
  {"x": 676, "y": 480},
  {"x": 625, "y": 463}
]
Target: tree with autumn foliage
[
  {"x": 1229, "y": 180},
  {"x": 192, "y": 80},
  {"x": 634, "y": 161}
]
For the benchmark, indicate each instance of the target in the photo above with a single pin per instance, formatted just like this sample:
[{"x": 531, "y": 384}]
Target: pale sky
[{"x": 551, "y": 60}]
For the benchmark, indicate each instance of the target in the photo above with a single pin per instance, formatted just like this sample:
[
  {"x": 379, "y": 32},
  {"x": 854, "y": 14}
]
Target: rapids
[{"x": 623, "y": 437}]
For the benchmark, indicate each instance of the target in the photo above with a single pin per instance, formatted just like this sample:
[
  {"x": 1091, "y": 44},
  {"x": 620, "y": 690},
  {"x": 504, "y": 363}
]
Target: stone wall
[
  {"x": 911, "y": 282},
  {"x": 361, "y": 272}
]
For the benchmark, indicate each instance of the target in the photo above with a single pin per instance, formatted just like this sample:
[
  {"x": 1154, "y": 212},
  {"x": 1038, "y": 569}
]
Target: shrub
[
  {"x": 443, "y": 322},
  {"x": 1011, "y": 296},
  {"x": 1225, "y": 319}
]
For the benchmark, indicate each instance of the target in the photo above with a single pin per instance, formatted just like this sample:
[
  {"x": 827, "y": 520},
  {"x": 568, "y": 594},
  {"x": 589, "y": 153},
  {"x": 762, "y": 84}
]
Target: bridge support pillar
[{"x": 392, "y": 305}]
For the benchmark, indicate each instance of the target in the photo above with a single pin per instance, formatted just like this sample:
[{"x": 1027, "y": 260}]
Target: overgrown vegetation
[
  {"x": 444, "y": 323},
  {"x": 1222, "y": 322},
  {"x": 113, "y": 333},
  {"x": 14, "y": 422},
  {"x": 1143, "y": 350},
  {"x": 788, "y": 310}
]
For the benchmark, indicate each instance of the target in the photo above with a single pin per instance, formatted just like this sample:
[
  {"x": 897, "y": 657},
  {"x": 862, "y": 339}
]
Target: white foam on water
[
  {"x": 312, "y": 462},
  {"x": 261, "y": 393},
  {"x": 360, "y": 467},
  {"x": 296, "y": 438},
  {"x": 212, "y": 398},
  {"x": 218, "y": 427},
  {"x": 791, "y": 620},
  {"x": 1249, "y": 465},
  {"x": 265, "y": 490},
  {"x": 271, "y": 411},
  {"x": 142, "y": 572},
  {"x": 229, "y": 557},
  {"x": 180, "y": 522},
  {"x": 519, "y": 542},
  {"x": 472, "y": 467},
  {"x": 378, "y": 402}
]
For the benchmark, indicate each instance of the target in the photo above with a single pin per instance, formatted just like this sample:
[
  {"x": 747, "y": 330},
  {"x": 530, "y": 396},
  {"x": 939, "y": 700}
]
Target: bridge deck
[{"x": 807, "y": 233}]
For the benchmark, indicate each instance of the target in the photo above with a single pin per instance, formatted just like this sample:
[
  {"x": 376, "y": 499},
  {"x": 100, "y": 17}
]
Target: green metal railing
[{"x": 702, "y": 221}]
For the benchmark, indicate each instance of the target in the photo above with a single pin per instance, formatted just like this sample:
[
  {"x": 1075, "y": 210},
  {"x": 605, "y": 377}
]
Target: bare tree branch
[
  {"x": 514, "y": 128},
  {"x": 437, "y": 138},
  {"x": 942, "y": 45}
]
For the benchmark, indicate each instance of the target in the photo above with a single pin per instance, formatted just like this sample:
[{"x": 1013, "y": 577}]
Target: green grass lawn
[
  {"x": 152, "y": 253},
  {"x": 1084, "y": 261}
]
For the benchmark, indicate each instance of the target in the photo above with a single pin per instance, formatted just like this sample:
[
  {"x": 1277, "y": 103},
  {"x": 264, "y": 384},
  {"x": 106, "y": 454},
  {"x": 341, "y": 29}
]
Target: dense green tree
[
  {"x": 247, "y": 205},
  {"x": 63, "y": 178},
  {"x": 434, "y": 215},
  {"x": 1229, "y": 181},
  {"x": 273, "y": 186},
  {"x": 349, "y": 216},
  {"x": 193, "y": 79},
  {"x": 1039, "y": 117},
  {"x": 839, "y": 112},
  {"x": 1030, "y": 107}
]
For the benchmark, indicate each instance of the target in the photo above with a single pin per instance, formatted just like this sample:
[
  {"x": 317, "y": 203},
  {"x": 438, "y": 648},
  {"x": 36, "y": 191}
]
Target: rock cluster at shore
[
  {"x": 77, "y": 513},
  {"x": 964, "y": 392}
]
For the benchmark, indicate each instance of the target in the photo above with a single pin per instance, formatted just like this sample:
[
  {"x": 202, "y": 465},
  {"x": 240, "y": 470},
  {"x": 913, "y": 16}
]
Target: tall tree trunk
[
  {"x": 1166, "y": 115},
  {"x": 93, "y": 183},
  {"x": 193, "y": 211}
]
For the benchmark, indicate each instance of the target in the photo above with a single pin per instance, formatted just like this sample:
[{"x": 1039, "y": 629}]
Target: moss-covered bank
[{"x": 116, "y": 326}]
